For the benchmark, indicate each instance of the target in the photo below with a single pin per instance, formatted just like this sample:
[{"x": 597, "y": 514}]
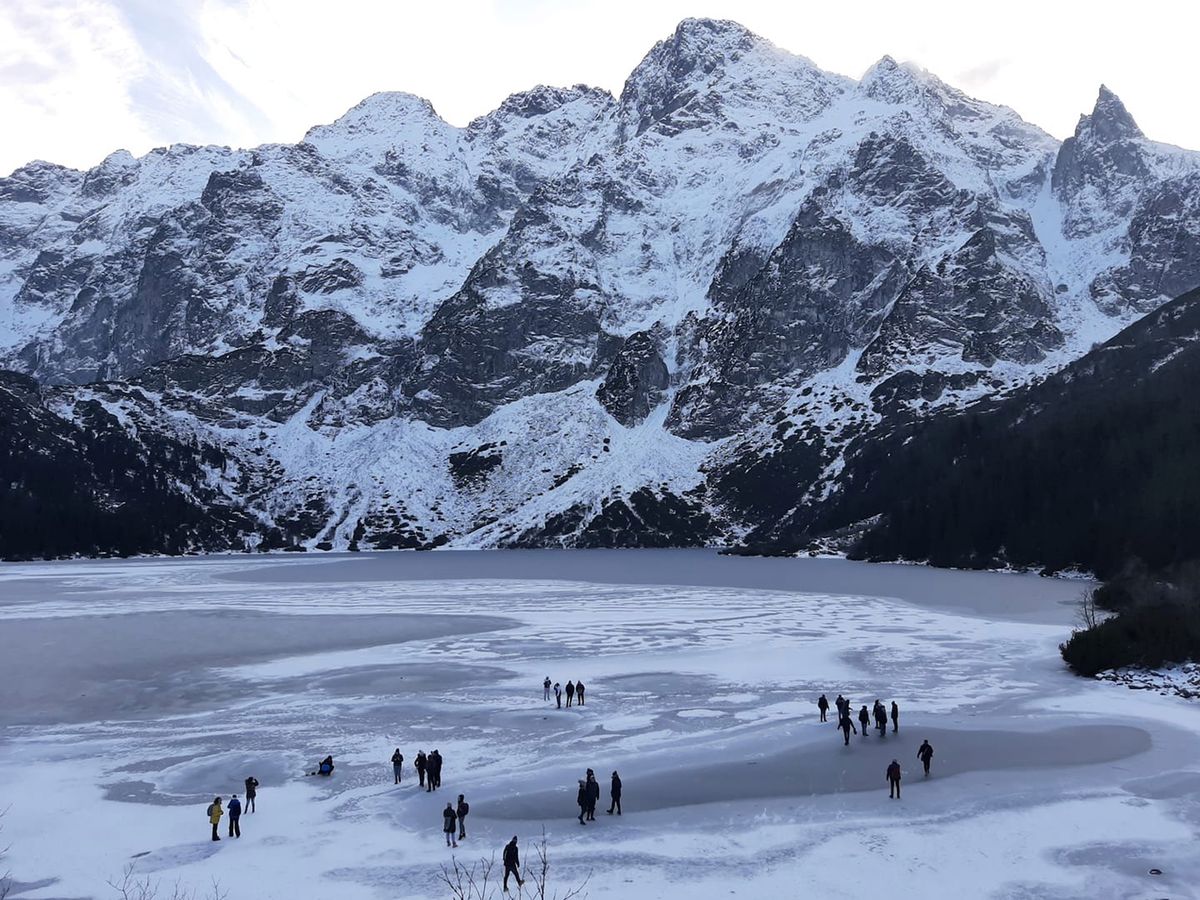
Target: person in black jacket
[
  {"x": 397, "y": 764},
  {"x": 615, "y": 793},
  {"x": 823, "y": 706},
  {"x": 512, "y": 863},
  {"x": 925, "y": 754},
  {"x": 449, "y": 822},
  {"x": 881, "y": 718},
  {"x": 570, "y": 693},
  {"x": 546, "y": 688},
  {"x": 421, "y": 763},
  {"x": 582, "y": 799},
  {"x": 235, "y": 816},
  {"x": 325, "y": 766},
  {"x": 895, "y": 717},
  {"x": 433, "y": 772},
  {"x": 579, "y": 692},
  {"x": 847, "y": 725},
  {"x": 864, "y": 719},
  {"x": 558, "y": 694},
  {"x": 251, "y": 793},
  {"x": 462, "y": 810},
  {"x": 893, "y": 777},
  {"x": 593, "y": 795}
]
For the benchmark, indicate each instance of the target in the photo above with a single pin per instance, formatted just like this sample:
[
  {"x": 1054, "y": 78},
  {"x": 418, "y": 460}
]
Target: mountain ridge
[{"x": 584, "y": 318}]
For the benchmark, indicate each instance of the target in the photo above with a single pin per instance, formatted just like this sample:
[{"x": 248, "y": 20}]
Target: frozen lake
[{"x": 135, "y": 691}]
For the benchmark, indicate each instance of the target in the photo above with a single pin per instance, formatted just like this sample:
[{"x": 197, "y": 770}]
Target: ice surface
[{"x": 702, "y": 675}]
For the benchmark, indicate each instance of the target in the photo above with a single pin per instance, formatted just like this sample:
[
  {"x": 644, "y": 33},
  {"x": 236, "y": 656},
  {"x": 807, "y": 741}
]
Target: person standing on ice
[
  {"x": 615, "y": 793},
  {"x": 251, "y": 793},
  {"x": 558, "y": 694},
  {"x": 512, "y": 863},
  {"x": 864, "y": 719},
  {"x": 893, "y": 777},
  {"x": 895, "y": 717},
  {"x": 462, "y": 809},
  {"x": 846, "y": 725},
  {"x": 823, "y": 706},
  {"x": 881, "y": 718},
  {"x": 397, "y": 764},
  {"x": 925, "y": 754},
  {"x": 450, "y": 824},
  {"x": 546, "y": 688},
  {"x": 235, "y": 817},
  {"x": 433, "y": 770},
  {"x": 579, "y": 692},
  {"x": 214, "y": 816},
  {"x": 581, "y": 798},
  {"x": 421, "y": 763},
  {"x": 843, "y": 707},
  {"x": 570, "y": 693},
  {"x": 593, "y": 795}
]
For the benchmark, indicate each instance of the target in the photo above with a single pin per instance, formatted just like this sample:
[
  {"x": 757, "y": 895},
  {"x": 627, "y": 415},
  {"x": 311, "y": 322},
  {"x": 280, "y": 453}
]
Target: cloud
[{"x": 984, "y": 73}]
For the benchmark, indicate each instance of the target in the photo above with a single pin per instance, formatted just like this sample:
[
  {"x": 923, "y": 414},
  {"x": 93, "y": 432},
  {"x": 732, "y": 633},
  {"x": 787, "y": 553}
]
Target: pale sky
[{"x": 81, "y": 78}]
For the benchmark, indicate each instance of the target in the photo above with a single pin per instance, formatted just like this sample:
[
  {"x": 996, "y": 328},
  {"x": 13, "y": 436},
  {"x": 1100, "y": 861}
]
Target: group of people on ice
[
  {"x": 846, "y": 720},
  {"x": 589, "y": 796},
  {"x": 429, "y": 769},
  {"x": 879, "y": 713},
  {"x": 575, "y": 692},
  {"x": 215, "y": 811}
]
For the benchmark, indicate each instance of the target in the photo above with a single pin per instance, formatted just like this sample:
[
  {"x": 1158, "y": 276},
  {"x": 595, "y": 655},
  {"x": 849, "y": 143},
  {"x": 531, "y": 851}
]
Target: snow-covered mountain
[{"x": 657, "y": 318}]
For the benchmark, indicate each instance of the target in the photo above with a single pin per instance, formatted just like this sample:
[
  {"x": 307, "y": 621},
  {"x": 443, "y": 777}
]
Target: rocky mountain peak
[
  {"x": 1110, "y": 120},
  {"x": 383, "y": 115},
  {"x": 1096, "y": 164},
  {"x": 890, "y": 82},
  {"x": 543, "y": 99}
]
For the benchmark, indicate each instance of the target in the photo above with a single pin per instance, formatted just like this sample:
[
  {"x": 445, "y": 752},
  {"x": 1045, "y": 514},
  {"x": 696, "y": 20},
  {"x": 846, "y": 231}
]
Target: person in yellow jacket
[{"x": 214, "y": 816}]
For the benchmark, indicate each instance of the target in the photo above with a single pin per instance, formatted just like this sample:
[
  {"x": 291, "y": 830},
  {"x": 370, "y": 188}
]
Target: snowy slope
[{"x": 404, "y": 333}]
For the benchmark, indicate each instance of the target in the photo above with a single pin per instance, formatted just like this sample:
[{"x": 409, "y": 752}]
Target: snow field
[{"x": 703, "y": 697}]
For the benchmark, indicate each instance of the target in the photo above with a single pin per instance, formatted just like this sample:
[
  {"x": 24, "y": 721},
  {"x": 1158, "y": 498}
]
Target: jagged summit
[
  {"x": 543, "y": 99},
  {"x": 377, "y": 114},
  {"x": 1109, "y": 121}
]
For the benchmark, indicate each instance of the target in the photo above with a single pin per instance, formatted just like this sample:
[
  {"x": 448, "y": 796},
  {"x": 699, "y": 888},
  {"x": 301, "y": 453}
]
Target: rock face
[{"x": 651, "y": 308}]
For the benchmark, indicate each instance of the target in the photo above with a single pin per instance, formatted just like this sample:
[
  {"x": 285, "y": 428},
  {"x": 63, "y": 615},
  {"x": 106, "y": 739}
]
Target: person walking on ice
[
  {"x": 463, "y": 808},
  {"x": 214, "y": 816},
  {"x": 893, "y": 777},
  {"x": 397, "y": 764},
  {"x": 512, "y": 863},
  {"x": 581, "y": 798},
  {"x": 579, "y": 692},
  {"x": 558, "y": 694},
  {"x": 925, "y": 754},
  {"x": 251, "y": 793},
  {"x": 235, "y": 816},
  {"x": 546, "y": 688},
  {"x": 846, "y": 725},
  {"x": 570, "y": 693},
  {"x": 895, "y": 717},
  {"x": 823, "y": 706},
  {"x": 864, "y": 719},
  {"x": 449, "y": 824},
  {"x": 435, "y": 768},
  {"x": 593, "y": 795},
  {"x": 615, "y": 792},
  {"x": 421, "y": 763}
]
